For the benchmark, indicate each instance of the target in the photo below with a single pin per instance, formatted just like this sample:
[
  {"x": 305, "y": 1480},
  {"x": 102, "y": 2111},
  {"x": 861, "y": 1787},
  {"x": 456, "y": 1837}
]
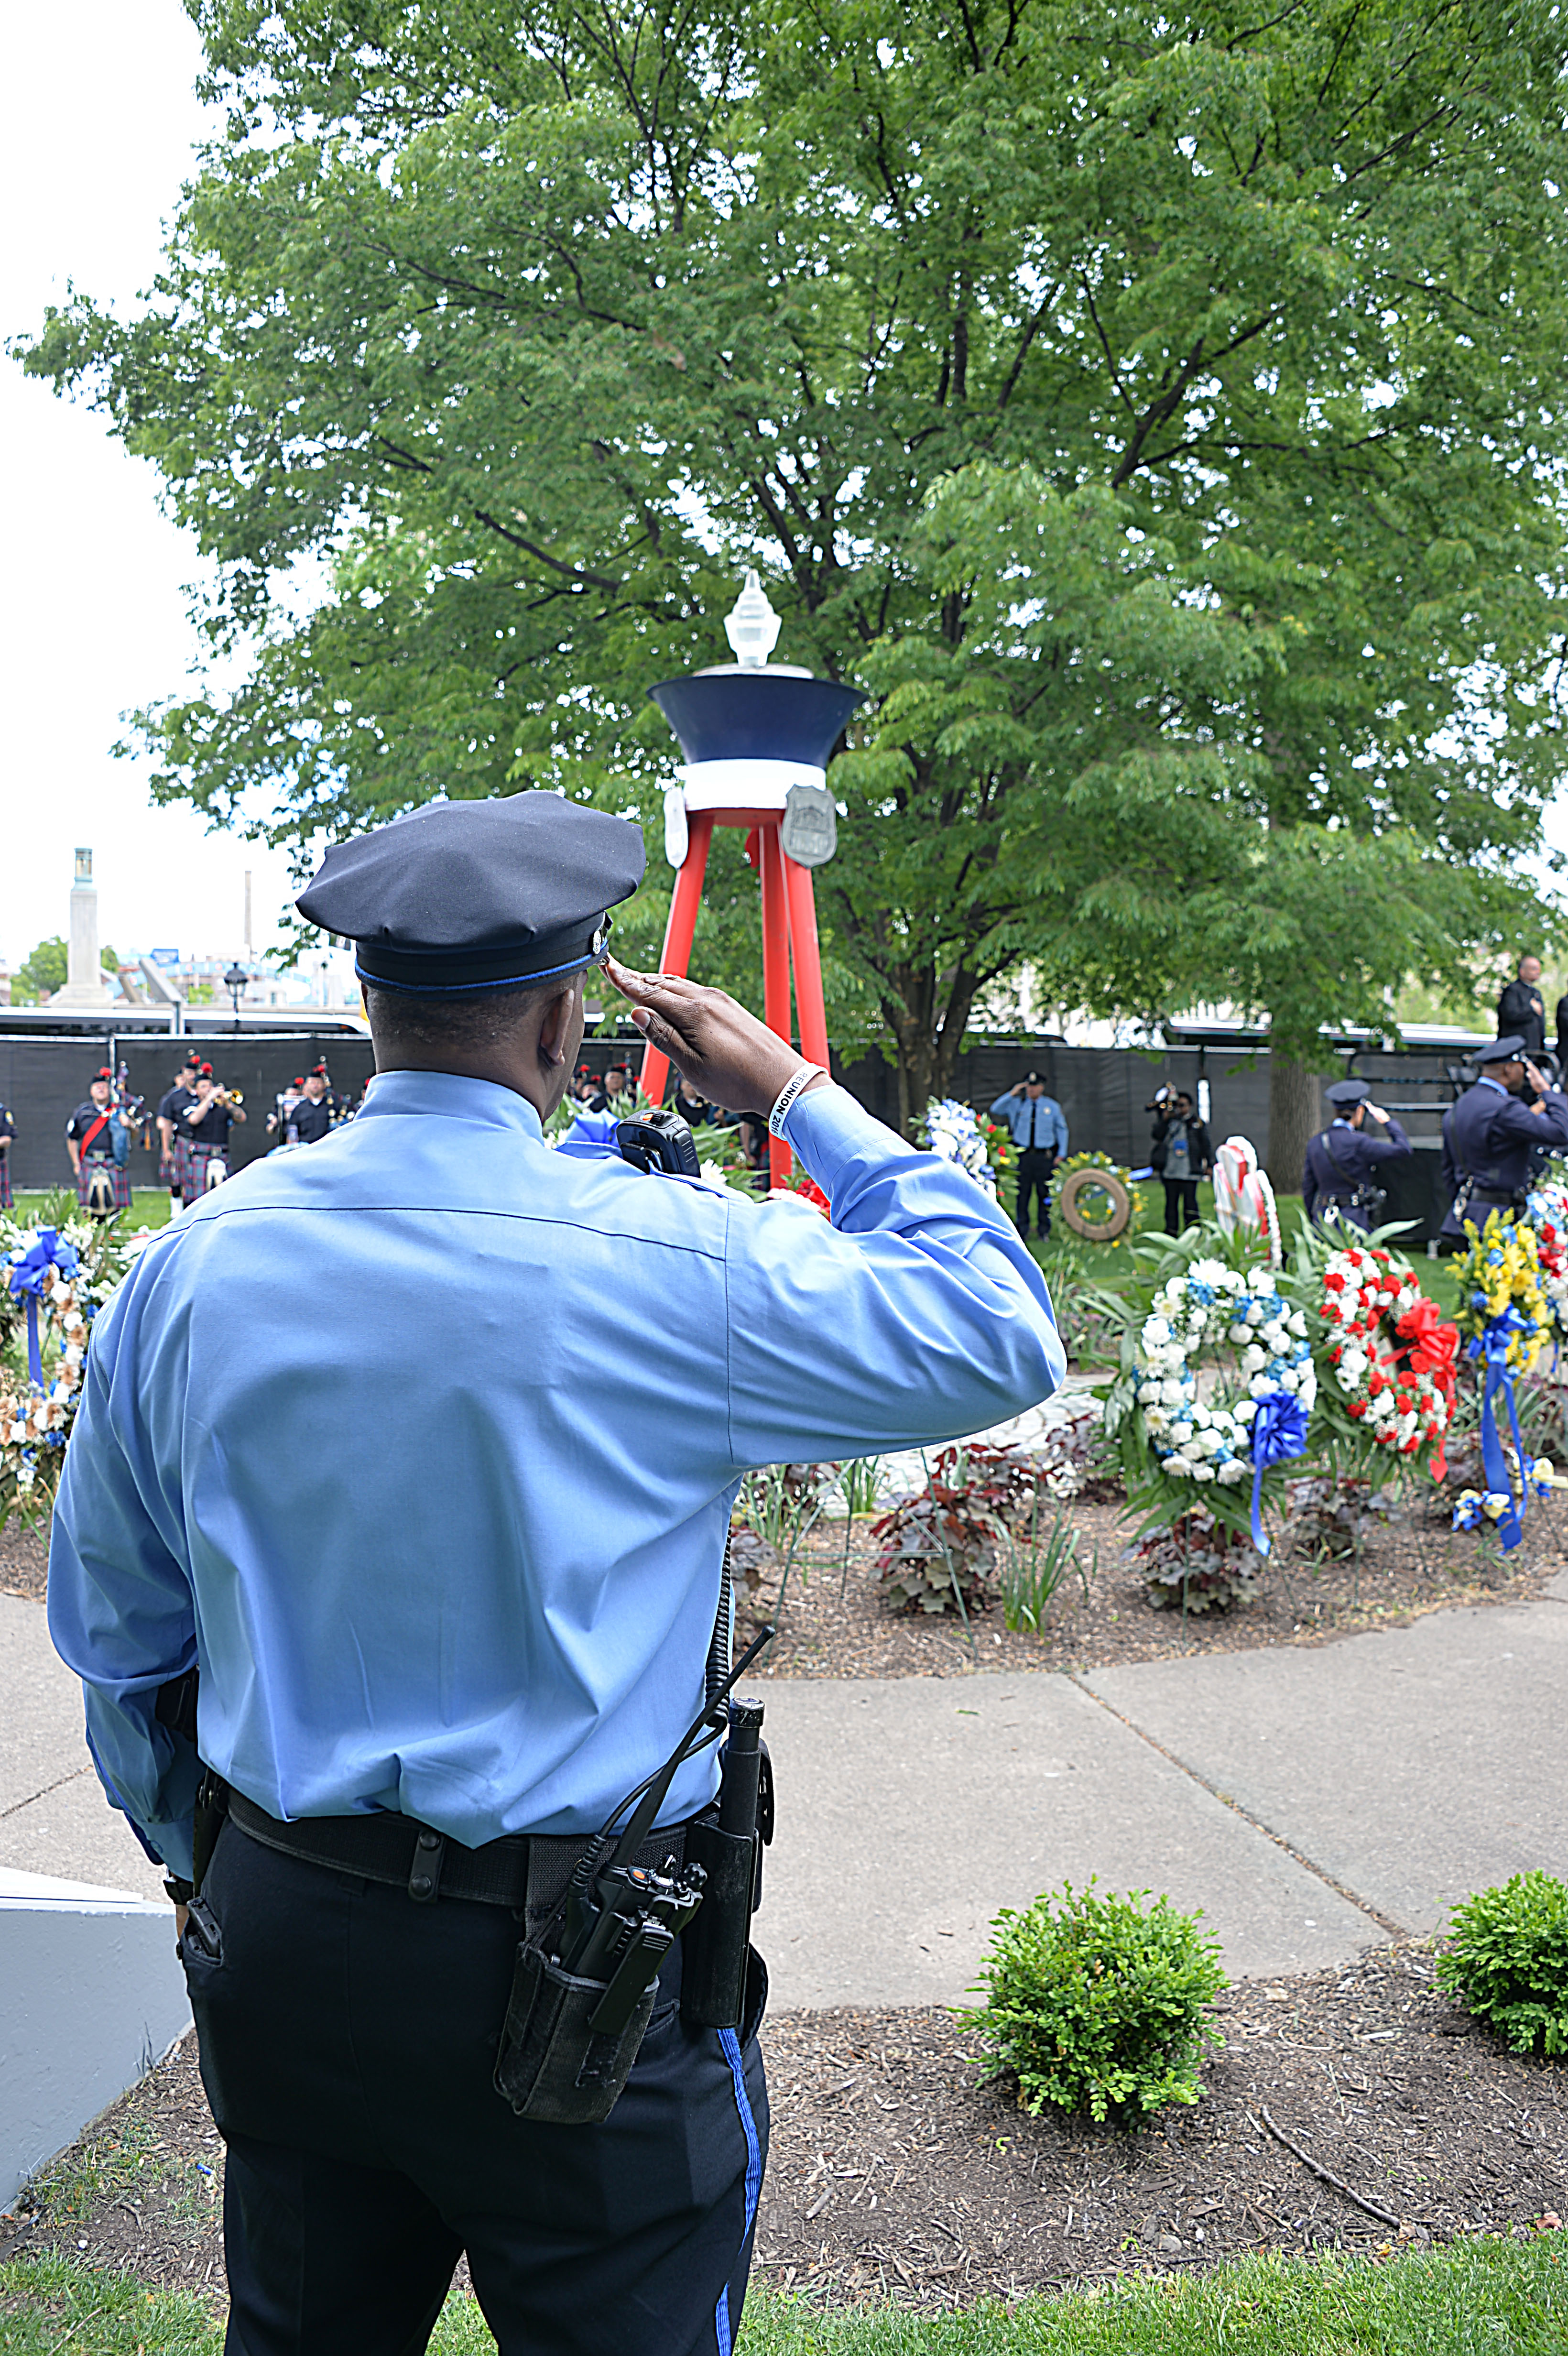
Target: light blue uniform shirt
[
  {"x": 1034, "y": 1121},
  {"x": 422, "y": 1445}
]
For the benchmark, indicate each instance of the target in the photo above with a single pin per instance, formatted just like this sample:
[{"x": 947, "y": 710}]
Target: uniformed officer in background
[
  {"x": 173, "y": 1143},
  {"x": 1521, "y": 1010},
  {"x": 500, "y": 1619},
  {"x": 1340, "y": 1180},
  {"x": 7, "y": 1138},
  {"x": 1495, "y": 1138}
]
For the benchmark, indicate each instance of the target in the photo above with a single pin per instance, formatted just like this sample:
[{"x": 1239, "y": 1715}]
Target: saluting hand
[{"x": 726, "y": 1054}]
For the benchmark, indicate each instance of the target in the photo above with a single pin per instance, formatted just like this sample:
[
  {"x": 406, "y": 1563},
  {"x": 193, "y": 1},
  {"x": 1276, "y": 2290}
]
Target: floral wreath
[
  {"x": 53, "y": 1280},
  {"x": 1090, "y": 1160},
  {"x": 1507, "y": 1315},
  {"x": 1225, "y": 1440},
  {"x": 1391, "y": 1353}
]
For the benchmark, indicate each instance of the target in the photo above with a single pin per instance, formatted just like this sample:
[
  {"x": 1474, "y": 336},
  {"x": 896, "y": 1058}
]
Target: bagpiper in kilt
[
  {"x": 171, "y": 1138},
  {"x": 206, "y": 1122},
  {"x": 102, "y": 1180}
]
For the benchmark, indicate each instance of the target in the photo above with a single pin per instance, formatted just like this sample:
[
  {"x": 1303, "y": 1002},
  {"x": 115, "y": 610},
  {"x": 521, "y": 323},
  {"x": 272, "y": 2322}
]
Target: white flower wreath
[
  {"x": 1211, "y": 1441},
  {"x": 953, "y": 1131}
]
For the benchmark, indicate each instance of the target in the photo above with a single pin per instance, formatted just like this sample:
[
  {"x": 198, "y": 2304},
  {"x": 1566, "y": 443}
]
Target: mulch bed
[
  {"x": 893, "y": 2172},
  {"x": 834, "y": 1624}
]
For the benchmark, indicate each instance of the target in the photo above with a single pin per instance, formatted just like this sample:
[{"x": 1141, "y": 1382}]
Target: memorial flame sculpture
[{"x": 756, "y": 737}]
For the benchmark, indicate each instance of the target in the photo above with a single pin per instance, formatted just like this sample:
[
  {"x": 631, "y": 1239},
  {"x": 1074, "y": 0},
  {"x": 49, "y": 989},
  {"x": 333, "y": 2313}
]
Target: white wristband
[{"x": 790, "y": 1090}]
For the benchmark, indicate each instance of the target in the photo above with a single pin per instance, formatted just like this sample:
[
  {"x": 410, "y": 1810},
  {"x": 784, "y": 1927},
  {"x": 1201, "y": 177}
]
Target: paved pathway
[{"x": 1311, "y": 1800}]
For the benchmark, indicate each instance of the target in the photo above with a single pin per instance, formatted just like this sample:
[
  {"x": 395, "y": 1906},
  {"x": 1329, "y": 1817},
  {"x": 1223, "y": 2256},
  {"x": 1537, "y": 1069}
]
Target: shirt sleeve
[
  {"x": 1395, "y": 1146},
  {"x": 917, "y": 1316},
  {"x": 1515, "y": 1121},
  {"x": 120, "y": 1607},
  {"x": 1061, "y": 1128}
]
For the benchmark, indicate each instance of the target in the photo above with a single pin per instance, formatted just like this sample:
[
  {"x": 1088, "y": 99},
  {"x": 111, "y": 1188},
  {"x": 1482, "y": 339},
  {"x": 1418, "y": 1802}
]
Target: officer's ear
[{"x": 559, "y": 1029}]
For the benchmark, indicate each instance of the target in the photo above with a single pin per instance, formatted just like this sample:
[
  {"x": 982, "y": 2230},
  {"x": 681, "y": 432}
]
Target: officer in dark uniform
[
  {"x": 1495, "y": 1137},
  {"x": 7, "y": 1133},
  {"x": 514, "y": 1456},
  {"x": 1340, "y": 1182},
  {"x": 1521, "y": 1010}
]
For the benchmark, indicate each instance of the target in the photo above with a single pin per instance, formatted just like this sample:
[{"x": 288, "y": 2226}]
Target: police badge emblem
[{"x": 808, "y": 831}]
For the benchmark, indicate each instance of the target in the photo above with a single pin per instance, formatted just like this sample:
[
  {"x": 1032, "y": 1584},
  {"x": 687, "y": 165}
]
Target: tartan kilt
[
  {"x": 172, "y": 1165},
  {"x": 8, "y": 1200},
  {"x": 122, "y": 1179},
  {"x": 194, "y": 1174}
]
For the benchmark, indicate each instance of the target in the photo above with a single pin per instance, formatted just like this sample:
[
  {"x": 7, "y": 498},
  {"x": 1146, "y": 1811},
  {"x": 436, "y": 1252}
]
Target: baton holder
[
  {"x": 716, "y": 1944},
  {"x": 552, "y": 2067}
]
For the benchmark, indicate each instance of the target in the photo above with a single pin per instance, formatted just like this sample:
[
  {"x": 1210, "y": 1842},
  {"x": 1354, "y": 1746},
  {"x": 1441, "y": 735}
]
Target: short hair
[
  {"x": 481, "y": 1019},
  {"x": 1527, "y": 957}
]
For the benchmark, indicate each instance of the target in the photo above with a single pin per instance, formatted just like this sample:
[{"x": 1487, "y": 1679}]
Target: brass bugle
[{"x": 232, "y": 1096}]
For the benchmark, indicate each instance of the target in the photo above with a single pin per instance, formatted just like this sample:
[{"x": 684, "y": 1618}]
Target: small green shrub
[
  {"x": 1095, "y": 2005},
  {"x": 1507, "y": 1960}
]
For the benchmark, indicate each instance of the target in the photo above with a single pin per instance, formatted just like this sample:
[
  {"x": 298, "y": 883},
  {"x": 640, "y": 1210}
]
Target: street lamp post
[{"x": 234, "y": 983}]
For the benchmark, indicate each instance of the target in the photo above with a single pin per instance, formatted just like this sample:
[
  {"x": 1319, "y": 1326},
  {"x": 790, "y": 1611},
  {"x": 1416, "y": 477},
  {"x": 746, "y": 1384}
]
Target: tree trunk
[{"x": 1295, "y": 1114}]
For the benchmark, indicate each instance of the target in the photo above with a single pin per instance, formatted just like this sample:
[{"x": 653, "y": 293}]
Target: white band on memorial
[{"x": 790, "y": 1090}]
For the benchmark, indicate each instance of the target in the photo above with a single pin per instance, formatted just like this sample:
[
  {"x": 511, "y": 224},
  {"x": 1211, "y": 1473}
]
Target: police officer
[
  {"x": 1038, "y": 1129},
  {"x": 98, "y": 1144},
  {"x": 1340, "y": 1182},
  {"x": 173, "y": 1143},
  {"x": 1493, "y": 1136},
  {"x": 8, "y": 1137},
  {"x": 1521, "y": 1010},
  {"x": 500, "y": 1622}
]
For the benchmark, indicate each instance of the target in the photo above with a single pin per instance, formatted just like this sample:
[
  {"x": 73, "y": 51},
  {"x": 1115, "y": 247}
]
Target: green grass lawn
[
  {"x": 149, "y": 1207},
  {"x": 1504, "y": 2299}
]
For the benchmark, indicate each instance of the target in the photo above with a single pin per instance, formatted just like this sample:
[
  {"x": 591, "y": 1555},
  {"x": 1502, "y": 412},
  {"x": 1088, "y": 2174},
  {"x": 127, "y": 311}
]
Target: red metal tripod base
[{"x": 789, "y": 938}]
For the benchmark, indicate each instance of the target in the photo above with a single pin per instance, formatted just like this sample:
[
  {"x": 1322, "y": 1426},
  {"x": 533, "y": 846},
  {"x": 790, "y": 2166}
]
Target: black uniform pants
[
  {"x": 347, "y": 2039},
  {"x": 1180, "y": 1204},
  {"x": 1036, "y": 1163}
]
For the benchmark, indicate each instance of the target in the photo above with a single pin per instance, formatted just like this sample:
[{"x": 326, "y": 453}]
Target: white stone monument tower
[{"x": 85, "y": 985}]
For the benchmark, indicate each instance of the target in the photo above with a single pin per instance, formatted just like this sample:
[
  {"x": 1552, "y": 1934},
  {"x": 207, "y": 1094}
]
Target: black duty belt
[{"x": 523, "y": 1871}]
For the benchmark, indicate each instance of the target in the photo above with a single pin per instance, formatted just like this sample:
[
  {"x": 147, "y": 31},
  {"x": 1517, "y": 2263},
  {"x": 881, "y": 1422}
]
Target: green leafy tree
[
  {"x": 534, "y": 322},
  {"x": 47, "y": 969}
]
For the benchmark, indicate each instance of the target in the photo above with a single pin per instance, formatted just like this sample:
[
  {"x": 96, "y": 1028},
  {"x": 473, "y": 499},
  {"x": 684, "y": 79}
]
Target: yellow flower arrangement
[{"x": 1502, "y": 1271}]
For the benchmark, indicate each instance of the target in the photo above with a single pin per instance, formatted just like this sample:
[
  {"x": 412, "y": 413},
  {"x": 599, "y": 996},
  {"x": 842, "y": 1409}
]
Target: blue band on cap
[{"x": 476, "y": 988}]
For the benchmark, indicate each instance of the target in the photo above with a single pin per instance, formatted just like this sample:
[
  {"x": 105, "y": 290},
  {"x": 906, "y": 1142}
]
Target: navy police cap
[
  {"x": 464, "y": 896},
  {"x": 1344, "y": 1094},
  {"x": 1499, "y": 1051}
]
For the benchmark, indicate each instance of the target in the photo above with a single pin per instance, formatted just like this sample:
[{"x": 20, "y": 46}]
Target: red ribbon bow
[{"x": 1434, "y": 1348}]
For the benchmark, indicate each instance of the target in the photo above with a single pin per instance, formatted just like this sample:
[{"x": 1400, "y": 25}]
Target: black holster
[
  {"x": 552, "y": 2068},
  {"x": 716, "y": 1946}
]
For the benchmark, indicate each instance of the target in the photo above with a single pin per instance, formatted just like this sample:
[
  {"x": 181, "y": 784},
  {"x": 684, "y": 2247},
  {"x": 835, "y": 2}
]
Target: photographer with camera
[
  {"x": 1182, "y": 1154},
  {"x": 382, "y": 1641}
]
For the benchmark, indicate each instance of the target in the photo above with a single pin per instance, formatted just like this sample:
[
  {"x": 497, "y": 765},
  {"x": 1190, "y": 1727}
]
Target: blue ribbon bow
[
  {"x": 1279, "y": 1433},
  {"x": 31, "y": 1274},
  {"x": 1492, "y": 1348}
]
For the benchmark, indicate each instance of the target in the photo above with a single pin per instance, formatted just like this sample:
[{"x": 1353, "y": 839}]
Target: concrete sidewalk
[{"x": 1312, "y": 1800}]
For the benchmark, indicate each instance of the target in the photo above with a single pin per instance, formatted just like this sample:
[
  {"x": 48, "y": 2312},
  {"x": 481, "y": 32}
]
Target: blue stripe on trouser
[{"x": 732, "y": 2045}]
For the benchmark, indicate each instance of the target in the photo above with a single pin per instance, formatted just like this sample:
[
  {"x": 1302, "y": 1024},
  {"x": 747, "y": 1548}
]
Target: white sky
[{"x": 98, "y": 141}]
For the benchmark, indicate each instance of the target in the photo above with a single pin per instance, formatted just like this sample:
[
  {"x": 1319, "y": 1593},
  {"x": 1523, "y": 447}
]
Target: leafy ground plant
[
  {"x": 1097, "y": 2006},
  {"x": 1034, "y": 1566},
  {"x": 1507, "y": 1960},
  {"x": 1197, "y": 1565},
  {"x": 1330, "y": 1519},
  {"x": 943, "y": 1548}
]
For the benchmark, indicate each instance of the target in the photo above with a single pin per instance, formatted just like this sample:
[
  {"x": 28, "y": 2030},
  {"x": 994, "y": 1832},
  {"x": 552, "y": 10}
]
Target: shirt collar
[
  {"x": 1484, "y": 1082},
  {"x": 455, "y": 1096}
]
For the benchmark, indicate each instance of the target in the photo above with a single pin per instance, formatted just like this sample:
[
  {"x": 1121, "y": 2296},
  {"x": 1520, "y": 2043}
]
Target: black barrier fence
[
  {"x": 1103, "y": 1092},
  {"x": 43, "y": 1080}
]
